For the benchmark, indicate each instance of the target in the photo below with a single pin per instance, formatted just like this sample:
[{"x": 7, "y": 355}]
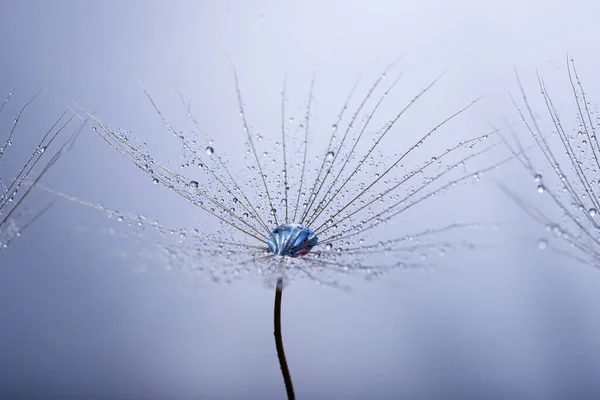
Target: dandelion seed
[
  {"x": 16, "y": 186},
  {"x": 333, "y": 199},
  {"x": 571, "y": 189}
]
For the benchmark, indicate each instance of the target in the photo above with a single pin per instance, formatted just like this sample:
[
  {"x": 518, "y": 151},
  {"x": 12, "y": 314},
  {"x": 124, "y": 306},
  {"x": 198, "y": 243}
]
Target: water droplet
[
  {"x": 329, "y": 246},
  {"x": 210, "y": 151},
  {"x": 155, "y": 181},
  {"x": 538, "y": 178},
  {"x": 194, "y": 184},
  {"x": 291, "y": 240},
  {"x": 542, "y": 244},
  {"x": 329, "y": 156},
  {"x": 592, "y": 212},
  {"x": 541, "y": 188}
]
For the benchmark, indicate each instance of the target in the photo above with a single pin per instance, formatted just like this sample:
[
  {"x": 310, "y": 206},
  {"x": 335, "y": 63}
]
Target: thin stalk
[{"x": 285, "y": 372}]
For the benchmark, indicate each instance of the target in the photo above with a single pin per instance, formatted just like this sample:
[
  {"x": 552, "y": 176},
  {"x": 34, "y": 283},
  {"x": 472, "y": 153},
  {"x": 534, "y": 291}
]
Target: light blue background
[{"x": 78, "y": 321}]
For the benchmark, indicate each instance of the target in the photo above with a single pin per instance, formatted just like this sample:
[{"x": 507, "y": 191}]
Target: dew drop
[
  {"x": 155, "y": 181},
  {"x": 194, "y": 184},
  {"x": 538, "y": 178},
  {"x": 210, "y": 151},
  {"x": 329, "y": 156},
  {"x": 592, "y": 212},
  {"x": 542, "y": 244},
  {"x": 329, "y": 246},
  {"x": 541, "y": 188}
]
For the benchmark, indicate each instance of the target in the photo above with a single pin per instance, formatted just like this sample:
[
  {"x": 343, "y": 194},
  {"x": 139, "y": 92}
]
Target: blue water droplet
[{"x": 291, "y": 240}]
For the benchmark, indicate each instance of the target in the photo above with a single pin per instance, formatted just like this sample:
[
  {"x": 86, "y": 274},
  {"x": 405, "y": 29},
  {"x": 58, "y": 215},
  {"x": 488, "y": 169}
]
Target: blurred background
[{"x": 82, "y": 317}]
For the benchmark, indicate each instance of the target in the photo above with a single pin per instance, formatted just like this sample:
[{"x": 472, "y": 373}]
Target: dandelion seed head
[
  {"x": 565, "y": 142},
  {"x": 17, "y": 185},
  {"x": 328, "y": 205}
]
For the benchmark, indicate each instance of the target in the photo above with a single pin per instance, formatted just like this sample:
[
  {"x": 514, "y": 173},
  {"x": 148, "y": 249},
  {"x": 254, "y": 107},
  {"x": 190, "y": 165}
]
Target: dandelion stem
[{"x": 287, "y": 378}]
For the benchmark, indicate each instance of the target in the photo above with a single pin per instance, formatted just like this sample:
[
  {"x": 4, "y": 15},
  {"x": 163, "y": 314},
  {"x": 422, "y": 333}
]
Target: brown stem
[{"x": 287, "y": 378}]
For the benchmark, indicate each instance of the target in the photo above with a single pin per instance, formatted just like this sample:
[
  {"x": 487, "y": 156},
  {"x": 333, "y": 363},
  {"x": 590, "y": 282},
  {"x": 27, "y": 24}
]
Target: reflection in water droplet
[{"x": 291, "y": 240}]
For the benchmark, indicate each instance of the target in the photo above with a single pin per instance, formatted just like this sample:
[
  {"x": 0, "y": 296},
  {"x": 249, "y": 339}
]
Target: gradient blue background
[{"x": 79, "y": 321}]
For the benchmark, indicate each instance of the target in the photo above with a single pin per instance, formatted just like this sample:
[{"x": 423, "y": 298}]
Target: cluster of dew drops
[
  {"x": 11, "y": 229},
  {"x": 542, "y": 242}
]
